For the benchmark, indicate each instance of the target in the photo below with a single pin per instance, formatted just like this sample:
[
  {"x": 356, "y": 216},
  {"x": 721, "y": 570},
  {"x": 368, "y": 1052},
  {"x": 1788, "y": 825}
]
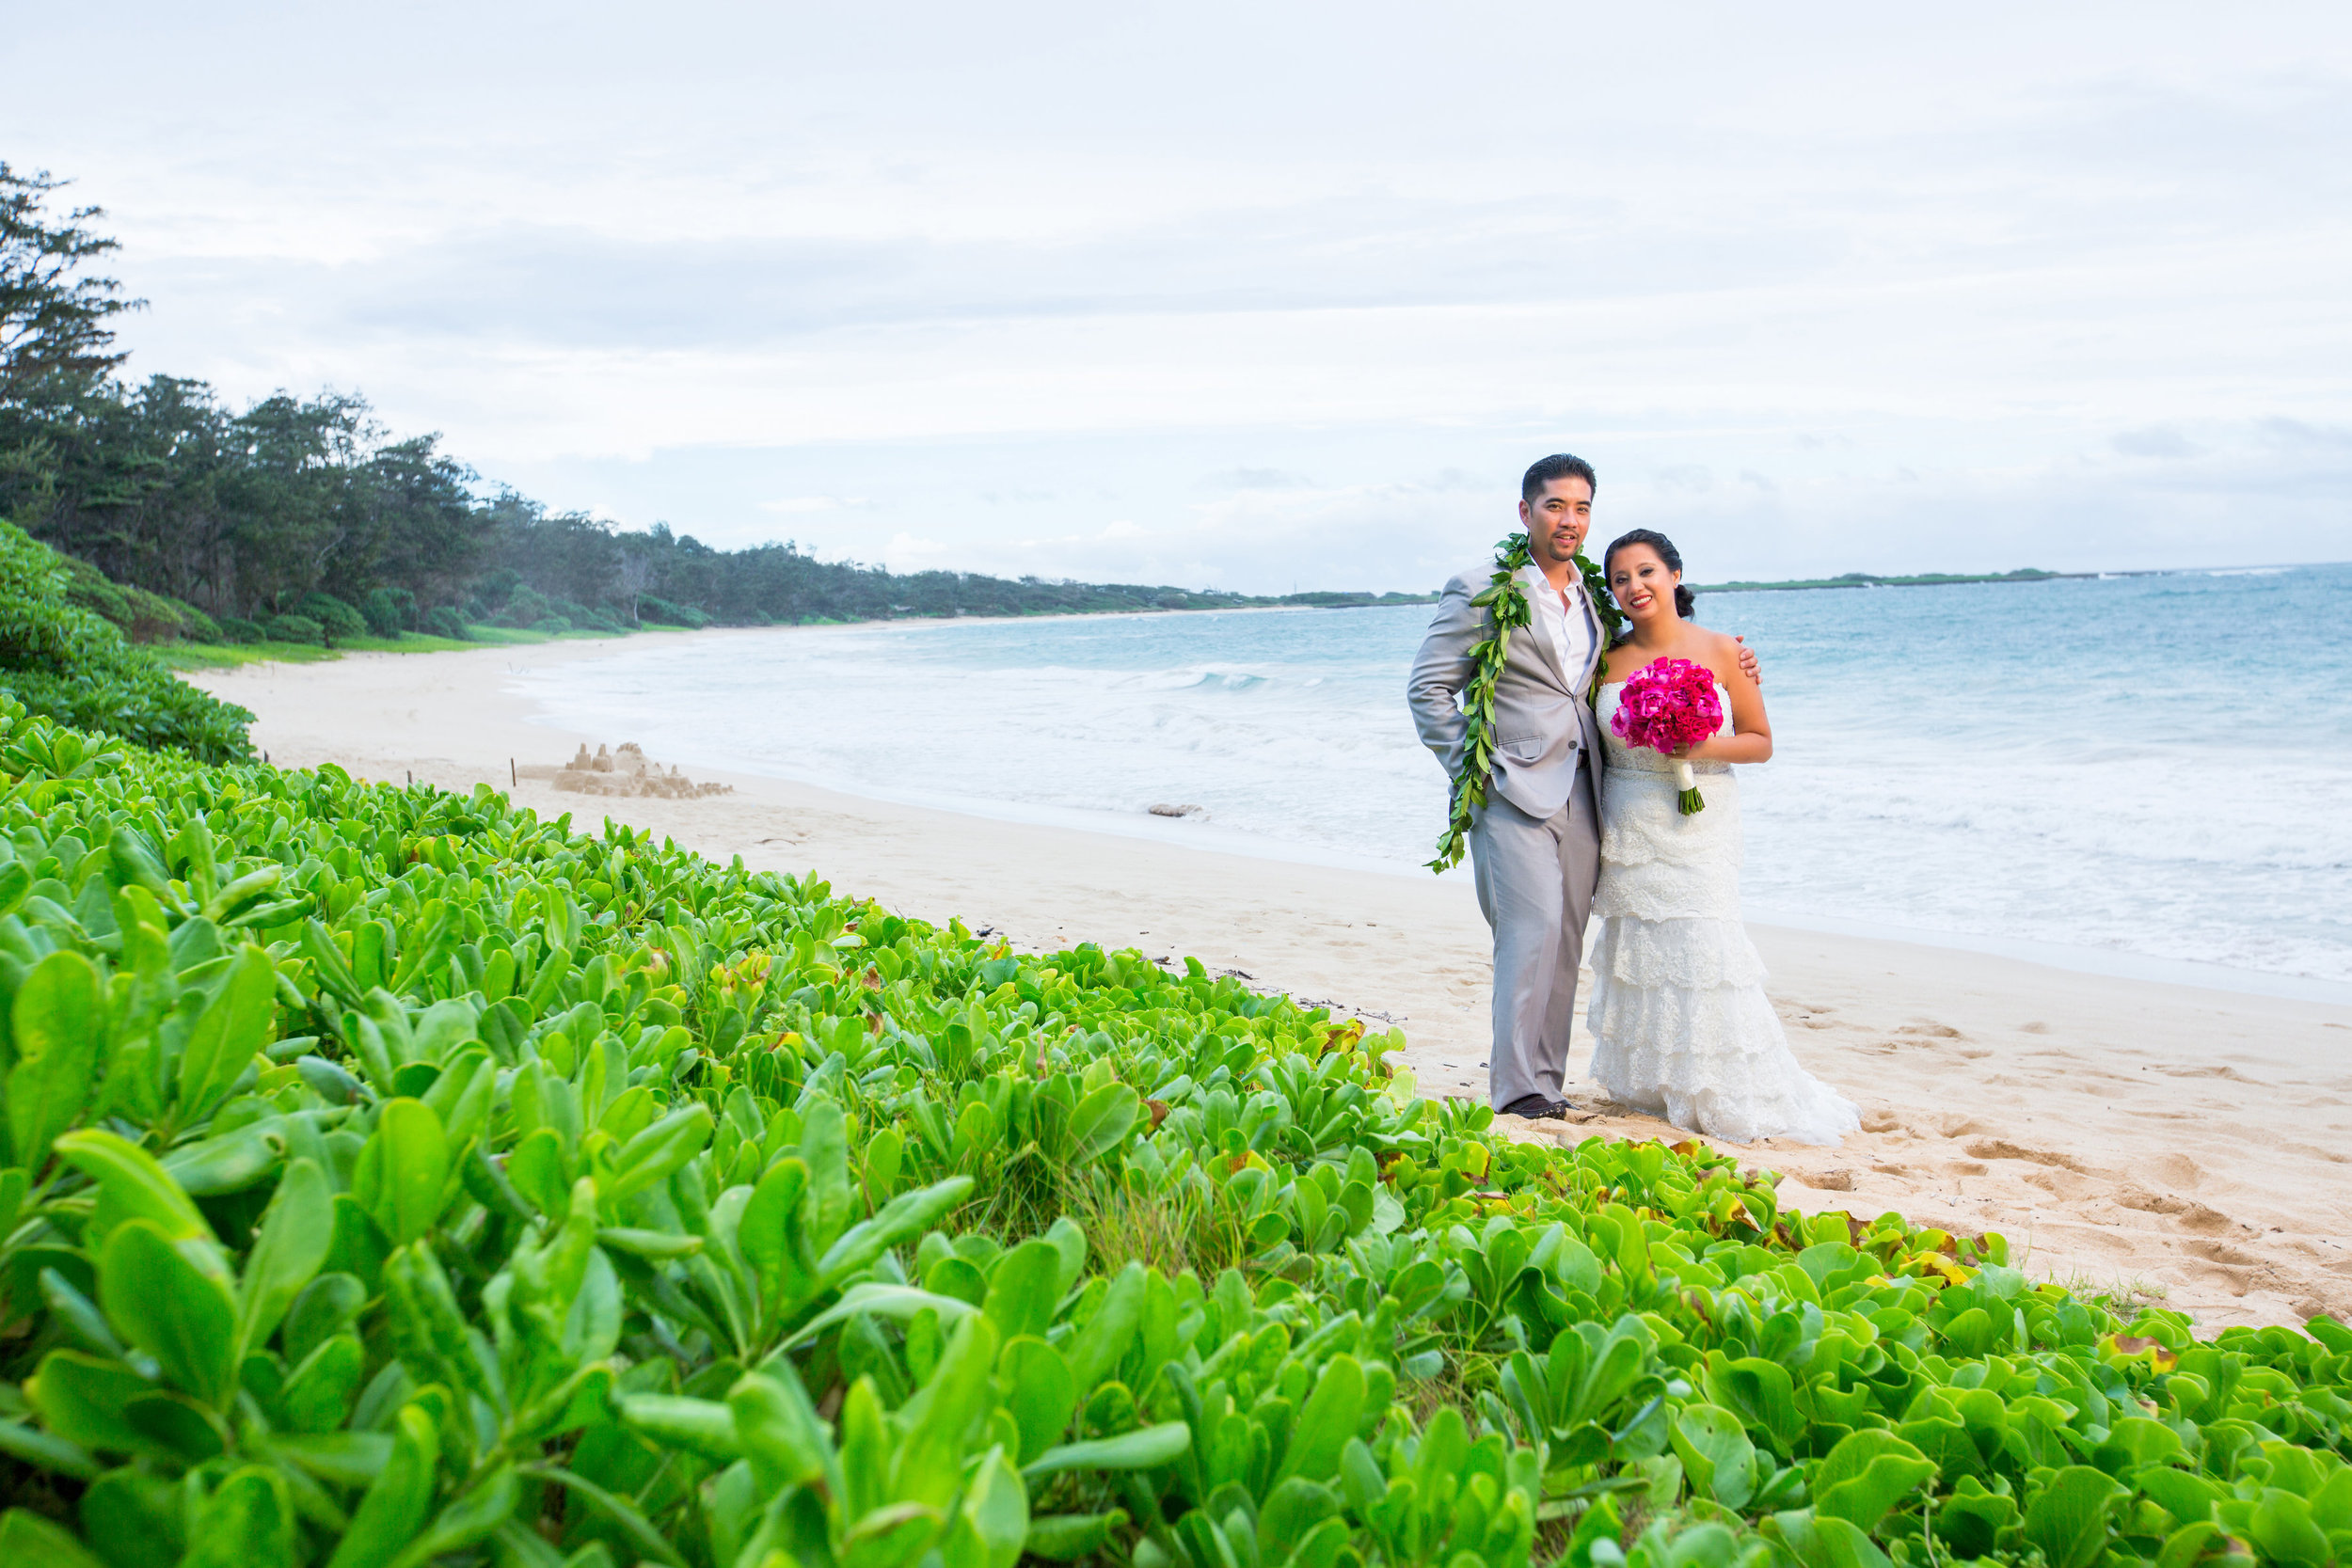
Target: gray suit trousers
[{"x": 1535, "y": 880}]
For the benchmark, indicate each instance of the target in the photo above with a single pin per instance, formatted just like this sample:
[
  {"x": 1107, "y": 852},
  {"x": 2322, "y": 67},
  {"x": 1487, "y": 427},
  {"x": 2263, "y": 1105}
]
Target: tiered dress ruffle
[{"x": 1682, "y": 1028}]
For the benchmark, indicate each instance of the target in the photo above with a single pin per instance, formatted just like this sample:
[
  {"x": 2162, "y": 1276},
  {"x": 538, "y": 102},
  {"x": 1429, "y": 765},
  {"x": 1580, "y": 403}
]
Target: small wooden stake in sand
[{"x": 511, "y": 782}]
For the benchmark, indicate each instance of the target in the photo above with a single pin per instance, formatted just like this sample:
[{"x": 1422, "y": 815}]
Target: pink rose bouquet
[{"x": 1667, "y": 705}]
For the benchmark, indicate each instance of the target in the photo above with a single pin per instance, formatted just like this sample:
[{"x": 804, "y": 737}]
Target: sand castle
[{"x": 627, "y": 770}]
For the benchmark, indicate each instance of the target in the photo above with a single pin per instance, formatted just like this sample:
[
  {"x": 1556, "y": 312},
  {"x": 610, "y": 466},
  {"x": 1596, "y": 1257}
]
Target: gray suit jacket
[{"x": 1543, "y": 727}]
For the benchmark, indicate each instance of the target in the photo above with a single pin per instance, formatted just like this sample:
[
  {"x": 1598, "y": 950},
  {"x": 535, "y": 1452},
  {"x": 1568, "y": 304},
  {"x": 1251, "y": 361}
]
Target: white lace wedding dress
[{"x": 1681, "y": 1025}]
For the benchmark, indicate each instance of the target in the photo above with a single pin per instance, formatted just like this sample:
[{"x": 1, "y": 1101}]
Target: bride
[{"x": 1681, "y": 1025}]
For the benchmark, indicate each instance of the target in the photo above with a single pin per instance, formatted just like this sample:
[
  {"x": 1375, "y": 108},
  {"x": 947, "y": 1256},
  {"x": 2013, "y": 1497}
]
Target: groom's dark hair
[{"x": 1560, "y": 464}]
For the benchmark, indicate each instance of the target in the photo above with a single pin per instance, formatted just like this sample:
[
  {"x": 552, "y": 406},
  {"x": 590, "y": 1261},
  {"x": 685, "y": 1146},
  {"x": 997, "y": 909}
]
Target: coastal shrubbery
[
  {"x": 392, "y": 1177},
  {"x": 657, "y": 611},
  {"x": 61, "y": 659},
  {"x": 141, "y": 616}
]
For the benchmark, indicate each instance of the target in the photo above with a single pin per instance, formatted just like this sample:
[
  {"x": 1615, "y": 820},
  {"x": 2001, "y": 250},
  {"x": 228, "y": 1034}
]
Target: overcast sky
[{"x": 1261, "y": 294}]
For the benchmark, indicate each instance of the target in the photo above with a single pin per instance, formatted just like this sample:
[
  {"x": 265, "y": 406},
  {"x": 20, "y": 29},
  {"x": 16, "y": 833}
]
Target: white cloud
[{"x": 1032, "y": 273}]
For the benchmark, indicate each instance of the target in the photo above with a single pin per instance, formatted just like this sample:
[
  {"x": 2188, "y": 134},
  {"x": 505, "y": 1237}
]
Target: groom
[{"x": 1535, "y": 848}]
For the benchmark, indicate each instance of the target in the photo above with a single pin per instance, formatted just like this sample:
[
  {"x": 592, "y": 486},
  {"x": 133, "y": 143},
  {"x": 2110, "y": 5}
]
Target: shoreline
[
  {"x": 2123, "y": 1133},
  {"x": 2117, "y": 963}
]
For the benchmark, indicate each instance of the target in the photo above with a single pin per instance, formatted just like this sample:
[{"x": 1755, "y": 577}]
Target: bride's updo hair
[{"x": 1685, "y": 601}]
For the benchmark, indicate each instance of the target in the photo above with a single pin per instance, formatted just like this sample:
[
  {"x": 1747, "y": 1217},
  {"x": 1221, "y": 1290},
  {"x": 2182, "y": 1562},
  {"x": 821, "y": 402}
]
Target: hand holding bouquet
[{"x": 1666, "y": 707}]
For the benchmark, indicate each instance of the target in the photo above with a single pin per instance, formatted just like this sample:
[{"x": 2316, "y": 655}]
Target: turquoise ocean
[{"x": 2145, "y": 775}]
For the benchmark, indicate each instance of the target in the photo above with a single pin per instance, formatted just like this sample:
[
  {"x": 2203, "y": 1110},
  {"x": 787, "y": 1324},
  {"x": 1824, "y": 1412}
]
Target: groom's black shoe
[{"x": 1536, "y": 1108}]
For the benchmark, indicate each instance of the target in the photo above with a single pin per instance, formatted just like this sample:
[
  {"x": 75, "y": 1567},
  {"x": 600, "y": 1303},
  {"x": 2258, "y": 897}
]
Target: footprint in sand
[
  {"x": 2213, "y": 1070},
  {"x": 2064, "y": 1185},
  {"x": 2001, "y": 1148}
]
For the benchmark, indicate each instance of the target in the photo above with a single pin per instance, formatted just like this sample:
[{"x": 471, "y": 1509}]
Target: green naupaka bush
[{"x": 389, "y": 1176}]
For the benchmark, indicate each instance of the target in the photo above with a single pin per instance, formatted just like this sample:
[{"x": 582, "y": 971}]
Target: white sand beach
[{"x": 2192, "y": 1145}]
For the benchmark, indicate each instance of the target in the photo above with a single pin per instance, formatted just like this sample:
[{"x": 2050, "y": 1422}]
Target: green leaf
[
  {"x": 1025, "y": 1289},
  {"x": 778, "y": 1430},
  {"x": 318, "y": 1391},
  {"x": 1070, "y": 1239},
  {"x": 1097, "y": 1348},
  {"x": 2194, "y": 1543},
  {"x": 58, "y": 1017},
  {"x": 928, "y": 1466},
  {"x": 1100, "y": 1120},
  {"x": 347, "y": 1459},
  {"x": 1069, "y": 1537},
  {"x": 535, "y": 1167},
  {"x": 1865, "y": 1475},
  {"x": 704, "y": 1427},
  {"x": 403, "y": 1170},
  {"x": 2135, "y": 1441},
  {"x": 1038, "y": 1392},
  {"x": 29, "y": 1540},
  {"x": 158, "y": 1297},
  {"x": 1328, "y": 1421},
  {"x": 80, "y": 1398},
  {"x": 131, "y": 1518},
  {"x": 1294, "y": 1508},
  {"x": 2187, "y": 1498},
  {"x": 487, "y": 1505},
  {"x": 2332, "y": 1505},
  {"x": 246, "y": 1523},
  {"x": 191, "y": 1431},
  {"x": 1762, "y": 1393},
  {"x": 2283, "y": 1529},
  {"x": 996, "y": 1505},
  {"x": 46, "y": 1451},
  {"x": 1143, "y": 1449},
  {"x": 287, "y": 1252},
  {"x": 902, "y": 1218},
  {"x": 2068, "y": 1518},
  {"x": 232, "y": 1162},
  {"x": 228, "y": 1032},
  {"x": 892, "y": 1536},
  {"x": 395, "y": 1508},
  {"x": 899, "y": 1303},
  {"x": 770, "y": 1237},
  {"x": 654, "y": 1155},
  {"x": 1819, "y": 1542},
  {"x": 429, "y": 1331},
  {"x": 1716, "y": 1453},
  {"x": 825, "y": 1152}
]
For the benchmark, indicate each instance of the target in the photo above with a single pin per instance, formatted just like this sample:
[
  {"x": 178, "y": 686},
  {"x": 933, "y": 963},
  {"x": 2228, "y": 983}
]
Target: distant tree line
[{"x": 307, "y": 518}]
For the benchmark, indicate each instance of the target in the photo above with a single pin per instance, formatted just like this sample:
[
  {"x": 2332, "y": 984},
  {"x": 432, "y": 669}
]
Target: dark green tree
[{"x": 55, "y": 343}]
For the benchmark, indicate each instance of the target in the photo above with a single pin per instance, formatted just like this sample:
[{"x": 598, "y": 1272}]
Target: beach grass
[
  {"x": 2123, "y": 1295},
  {"x": 231, "y": 656}
]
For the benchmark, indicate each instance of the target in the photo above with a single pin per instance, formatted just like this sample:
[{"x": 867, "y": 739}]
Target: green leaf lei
[{"x": 1507, "y": 610}]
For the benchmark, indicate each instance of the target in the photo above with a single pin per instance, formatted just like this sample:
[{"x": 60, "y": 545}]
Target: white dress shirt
[{"x": 1573, "y": 629}]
